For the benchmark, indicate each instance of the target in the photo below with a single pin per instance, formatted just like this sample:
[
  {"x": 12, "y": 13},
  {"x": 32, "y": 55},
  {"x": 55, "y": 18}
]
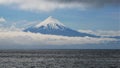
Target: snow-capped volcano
[
  {"x": 54, "y": 27},
  {"x": 50, "y": 22}
]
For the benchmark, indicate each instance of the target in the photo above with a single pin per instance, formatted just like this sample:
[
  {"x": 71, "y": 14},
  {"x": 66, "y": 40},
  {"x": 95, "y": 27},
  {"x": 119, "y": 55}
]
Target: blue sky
[{"x": 104, "y": 16}]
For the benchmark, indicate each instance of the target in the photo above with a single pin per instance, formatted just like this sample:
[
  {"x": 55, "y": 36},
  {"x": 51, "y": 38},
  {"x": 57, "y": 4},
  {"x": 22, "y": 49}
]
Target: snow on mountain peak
[{"x": 50, "y": 22}]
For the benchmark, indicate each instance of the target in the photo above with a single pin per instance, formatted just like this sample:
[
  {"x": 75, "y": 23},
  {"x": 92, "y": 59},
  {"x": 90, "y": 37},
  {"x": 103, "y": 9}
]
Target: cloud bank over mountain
[{"x": 49, "y": 5}]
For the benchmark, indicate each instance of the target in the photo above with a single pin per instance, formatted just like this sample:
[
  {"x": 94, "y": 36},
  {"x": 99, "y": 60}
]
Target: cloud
[
  {"x": 11, "y": 28},
  {"x": 24, "y": 23},
  {"x": 16, "y": 38},
  {"x": 49, "y": 5},
  {"x": 102, "y": 32},
  {"x": 2, "y": 20}
]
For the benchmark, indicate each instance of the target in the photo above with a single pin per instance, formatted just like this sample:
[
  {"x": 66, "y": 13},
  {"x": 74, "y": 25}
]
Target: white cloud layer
[
  {"x": 26, "y": 39},
  {"x": 2, "y": 20},
  {"x": 102, "y": 32},
  {"x": 49, "y": 5}
]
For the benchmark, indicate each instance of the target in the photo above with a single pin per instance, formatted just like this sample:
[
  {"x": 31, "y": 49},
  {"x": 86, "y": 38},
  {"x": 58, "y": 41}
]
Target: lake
[{"x": 60, "y": 58}]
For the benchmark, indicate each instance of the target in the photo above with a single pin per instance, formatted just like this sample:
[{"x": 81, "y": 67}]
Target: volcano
[{"x": 54, "y": 27}]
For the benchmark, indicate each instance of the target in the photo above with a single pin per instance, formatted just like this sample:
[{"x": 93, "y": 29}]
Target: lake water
[{"x": 84, "y": 58}]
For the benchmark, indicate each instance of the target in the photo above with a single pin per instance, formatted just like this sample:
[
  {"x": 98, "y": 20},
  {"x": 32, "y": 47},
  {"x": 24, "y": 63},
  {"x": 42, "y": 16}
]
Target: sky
[
  {"x": 76, "y": 14},
  {"x": 98, "y": 17}
]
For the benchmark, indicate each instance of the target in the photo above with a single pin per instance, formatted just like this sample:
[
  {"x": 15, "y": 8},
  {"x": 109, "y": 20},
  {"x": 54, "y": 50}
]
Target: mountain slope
[{"x": 54, "y": 27}]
